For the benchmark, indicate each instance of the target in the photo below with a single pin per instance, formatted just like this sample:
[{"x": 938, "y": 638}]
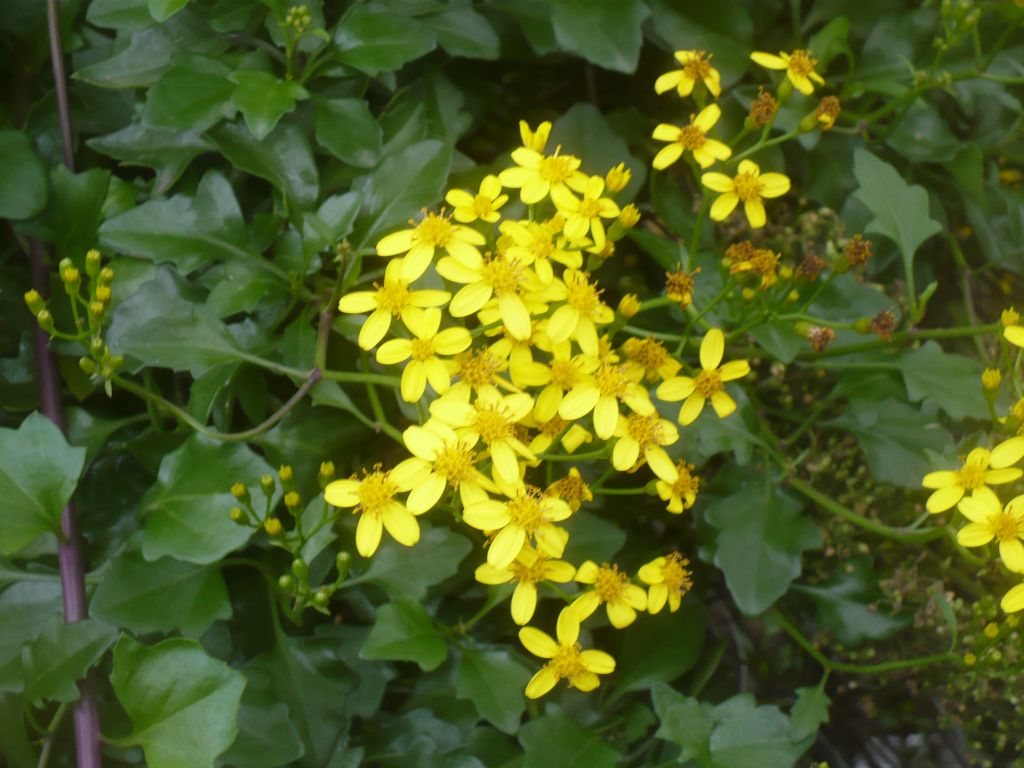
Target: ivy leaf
[
  {"x": 605, "y": 32},
  {"x": 951, "y": 381},
  {"x": 434, "y": 559},
  {"x": 147, "y": 57},
  {"x": 809, "y": 713},
  {"x": 761, "y": 536},
  {"x": 61, "y": 656},
  {"x": 494, "y": 680},
  {"x": 585, "y": 132},
  {"x": 193, "y": 95},
  {"x": 669, "y": 648},
  {"x": 348, "y": 130},
  {"x": 404, "y": 632},
  {"x": 162, "y": 10},
  {"x": 182, "y": 703},
  {"x": 168, "y": 151},
  {"x": 187, "y": 510},
  {"x": 264, "y": 99},
  {"x": 266, "y": 734},
  {"x": 23, "y": 181},
  {"x": 161, "y": 596},
  {"x": 558, "y": 740},
  {"x": 684, "y": 721},
  {"x": 26, "y": 607},
  {"x": 749, "y": 736},
  {"x": 461, "y": 31},
  {"x": 38, "y": 474},
  {"x": 73, "y": 212},
  {"x": 374, "y": 39},
  {"x": 900, "y": 209}
]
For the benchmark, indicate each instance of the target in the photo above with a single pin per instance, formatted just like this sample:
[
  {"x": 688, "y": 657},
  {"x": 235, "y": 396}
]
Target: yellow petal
[
  {"x": 675, "y": 389},
  {"x": 938, "y": 479},
  {"x": 723, "y": 404},
  {"x": 668, "y": 81},
  {"x": 584, "y": 681},
  {"x": 755, "y": 213},
  {"x": 394, "y": 351},
  {"x": 712, "y": 348},
  {"x": 414, "y": 381},
  {"x": 488, "y": 515},
  {"x": 668, "y": 155},
  {"x": 538, "y": 643},
  {"x": 773, "y": 184},
  {"x": 620, "y": 615},
  {"x": 768, "y": 60},
  {"x": 1013, "y": 600},
  {"x": 587, "y": 572},
  {"x": 506, "y": 546},
  {"x": 524, "y": 603},
  {"x": 358, "y": 302},
  {"x": 707, "y": 117},
  {"x": 541, "y": 683},
  {"x": 567, "y": 629},
  {"x": 734, "y": 369},
  {"x": 1012, "y": 553},
  {"x": 488, "y": 574},
  {"x": 974, "y": 535},
  {"x": 426, "y": 495},
  {"x": 723, "y": 206},
  {"x": 395, "y": 243},
  {"x": 374, "y": 328},
  {"x": 1014, "y": 334},
  {"x": 606, "y": 416},
  {"x": 368, "y": 533},
  {"x": 598, "y": 662},
  {"x": 625, "y": 453},
  {"x": 1007, "y": 453},
  {"x": 944, "y": 498},
  {"x": 342, "y": 493},
  {"x": 717, "y": 182},
  {"x": 691, "y": 409}
]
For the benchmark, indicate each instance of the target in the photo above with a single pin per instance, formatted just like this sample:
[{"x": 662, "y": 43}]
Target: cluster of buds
[{"x": 299, "y": 18}]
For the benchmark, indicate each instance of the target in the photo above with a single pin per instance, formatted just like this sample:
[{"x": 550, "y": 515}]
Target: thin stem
[{"x": 51, "y": 732}]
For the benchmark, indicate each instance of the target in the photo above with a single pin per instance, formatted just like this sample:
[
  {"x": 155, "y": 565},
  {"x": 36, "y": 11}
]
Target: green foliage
[
  {"x": 403, "y": 631},
  {"x": 61, "y": 655}
]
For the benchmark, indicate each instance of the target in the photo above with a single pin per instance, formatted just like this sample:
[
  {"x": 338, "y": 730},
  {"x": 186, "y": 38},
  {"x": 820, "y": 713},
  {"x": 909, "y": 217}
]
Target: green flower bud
[
  {"x": 286, "y": 583},
  {"x": 35, "y": 302},
  {"x": 92, "y": 263},
  {"x": 300, "y": 568}
]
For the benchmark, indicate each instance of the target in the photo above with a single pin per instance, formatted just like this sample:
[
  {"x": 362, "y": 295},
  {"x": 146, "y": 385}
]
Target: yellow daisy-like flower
[
  {"x": 696, "y": 68},
  {"x": 424, "y": 355},
  {"x": 572, "y": 489},
  {"x": 522, "y": 368},
  {"x": 692, "y": 137},
  {"x": 565, "y": 372},
  {"x": 504, "y": 278},
  {"x": 392, "y": 298},
  {"x": 990, "y": 520},
  {"x": 640, "y": 440},
  {"x": 581, "y": 312},
  {"x": 709, "y": 384},
  {"x": 566, "y": 659},
  {"x": 669, "y": 580},
  {"x": 1013, "y": 600},
  {"x": 535, "y": 140},
  {"x": 373, "y": 497},
  {"x": 441, "y": 459},
  {"x": 484, "y": 205},
  {"x": 799, "y": 66},
  {"x": 536, "y": 175},
  {"x": 680, "y": 492},
  {"x": 583, "y": 215},
  {"x": 571, "y": 436},
  {"x": 478, "y": 370},
  {"x": 749, "y": 187},
  {"x": 492, "y": 419},
  {"x": 601, "y": 393},
  {"x": 612, "y": 587},
  {"x": 980, "y": 469},
  {"x": 528, "y": 570},
  {"x": 526, "y": 515},
  {"x": 433, "y": 232},
  {"x": 538, "y": 244},
  {"x": 651, "y": 357}
]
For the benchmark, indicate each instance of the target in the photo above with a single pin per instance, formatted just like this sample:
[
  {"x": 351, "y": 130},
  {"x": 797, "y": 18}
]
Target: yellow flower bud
[
  {"x": 106, "y": 276},
  {"x": 45, "y": 319},
  {"x": 970, "y": 659},
  {"x": 35, "y": 302},
  {"x": 236, "y": 514},
  {"x": 1010, "y": 316},
  {"x": 285, "y": 473},
  {"x": 617, "y": 178},
  {"x": 292, "y": 499},
  {"x": 267, "y": 485},
  {"x": 629, "y": 305},
  {"x": 991, "y": 378},
  {"x": 92, "y": 263},
  {"x": 991, "y": 631},
  {"x": 239, "y": 491},
  {"x": 272, "y": 526},
  {"x": 629, "y": 216},
  {"x": 103, "y": 293}
]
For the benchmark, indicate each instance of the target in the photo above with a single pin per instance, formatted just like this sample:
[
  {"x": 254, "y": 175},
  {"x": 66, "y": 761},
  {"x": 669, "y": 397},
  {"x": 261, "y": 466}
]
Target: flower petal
[
  {"x": 712, "y": 347},
  {"x": 538, "y": 643}
]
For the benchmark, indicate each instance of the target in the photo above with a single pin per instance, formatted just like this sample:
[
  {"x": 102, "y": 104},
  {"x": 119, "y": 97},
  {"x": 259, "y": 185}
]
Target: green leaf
[
  {"x": 684, "y": 721},
  {"x": 592, "y": 537},
  {"x": 809, "y": 712},
  {"x": 263, "y": 99},
  {"x": 38, "y": 474},
  {"x": 435, "y": 558},
  {"x": 162, "y": 10},
  {"x": 75, "y": 210},
  {"x": 922, "y": 136},
  {"x": 585, "y": 132},
  {"x": 23, "y": 181},
  {"x": 461, "y": 31},
  {"x": 900, "y": 210},
  {"x": 668, "y": 647},
  {"x": 187, "y": 510},
  {"x": 604, "y": 32},
  {"x": 161, "y": 328},
  {"x": 725, "y": 27},
  {"x": 168, "y": 151},
  {"x": 760, "y": 541},
  {"x": 558, "y": 740},
  {"x": 494, "y": 680},
  {"x": 374, "y": 39},
  {"x": 951, "y": 381},
  {"x": 283, "y": 158},
  {"x": 139, "y": 65},
  {"x": 266, "y": 735},
  {"x": 119, "y": 14},
  {"x": 348, "y": 130},
  {"x": 193, "y": 95},
  {"x": 15, "y": 746},
  {"x": 61, "y": 656},
  {"x": 404, "y": 632},
  {"x": 181, "y": 702},
  {"x": 26, "y": 607},
  {"x": 160, "y": 596},
  {"x": 189, "y": 232},
  {"x": 748, "y": 736}
]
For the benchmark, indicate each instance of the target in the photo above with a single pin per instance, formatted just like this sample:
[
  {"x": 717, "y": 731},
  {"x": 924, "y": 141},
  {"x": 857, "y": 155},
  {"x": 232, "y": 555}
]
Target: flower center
[
  {"x": 564, "y": 374},
  {"x": 971, "y": 476},
  {"x": 1006, "y": 527},
  {"x": 566, "y": 662},
  {"x": 422, "y": 349},
  {"x": 482, "y": 205},
  {"x": 590, "y": 207},
  {"x": 393, "y": 296},
  {"x": 647, "y": 353},
  {"x": 679, "y": 286},
  {"x": 611, "y": 380},
  {"x": 646, "y": 430},
  {"x": 554, "y": 426},
  {"x": 707, "y": 383},
  {"x": 610, "y": 583},
  {"x": 581, "y": 294},
  {"x": 698, "y": 67},
  {"x": 572, "y": 490},
  {"x": 376, "y": 492},
  {"x": 677, "y": 575},
  {"x": 502, "y": 274},
  {"x": 556, "y": 168},
  {"x": 479, "y": 369},
  {"x": 491, "y": 424},
  {"x": 687, "y": 482},
  {"x": 747, "y": 187},
  {"x": 435, "y": 230},
  {"x": 691, "y": 137},
  {"x": 525, "y": 511},
  {"x": 801, "y": 63},
  {"x": 529, "y": 574},
  {"x": 455, "y": 462}
]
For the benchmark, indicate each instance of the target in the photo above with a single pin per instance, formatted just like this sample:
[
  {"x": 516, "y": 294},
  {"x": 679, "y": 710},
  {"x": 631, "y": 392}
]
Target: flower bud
[
  {"x": 106, "y": 276},
  {"x": 1010, "y": 316},
  {"x": 272, "y": 526},
  {"x": 617, "y": 178},
  {"x": 629, "y": 305},
  {"x": 236, "y": 514},
  {"x": 103, "y": 293},
  {"x": 97, "y": 348},
  {"x": 45, "y": 319},
  {"x": 863, "y": 325},
  {"x": 285, "y": 473},
  {"x": 292, "y": 499},
  {"x": 35, "y": 302},
  {"x": 267, "y": 485},
  {"x": 88, "y": 366},
  {"x": 322, "y": 597},
  {"x": 326, "y": 473},
  {"x": 240, "y": 492},
  {"x": 300, "y": 568},
  {"x": 92, "y": 263},
  {"x": 991, "y": 378},
  {"x": 629, "y": 216},
  {"x": 286, "y": 583},
  {"x": 116, "y": 361},
  {"x": 342, "y": 563}
]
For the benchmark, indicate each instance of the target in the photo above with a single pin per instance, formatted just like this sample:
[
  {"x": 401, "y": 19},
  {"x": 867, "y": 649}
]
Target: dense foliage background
[{"x": 236, "y": 158}]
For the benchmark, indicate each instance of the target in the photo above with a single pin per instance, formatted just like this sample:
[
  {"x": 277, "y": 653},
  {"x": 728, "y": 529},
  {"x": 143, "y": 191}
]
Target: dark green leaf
[
  {"x": 161, "y": 596},
  {"x": 684, "y": 721},
  {"x": 187, "y": 509},
  {"x": 23, "y": 181},
  {"x": 592, "y": 537},
  {"x": 181, "y": 702},
  {"x": 404, "y": 632},
  {"x": 845, "y": 601},
  {"x": 374, "y": 39},
  {"x": 435, "y": 558},
  {"x": 61, "y": 656},
  {"x": 585, "y": 132},
  {"x": 922, "y": 136},
  {"x": 951, "y": 381},
  {"x": 558, "y": 740},
  {"x": 139, "y": 65},
  {"x": 119, "y": 14},
  {"x": 748, "y": 736},
  {"x": 168, "y": 151},
  {"x": 347, "y": 129},
  {"x": 605, "y": 32},
  {"x": 809, "y": 713},
  {"x": 669, "y": 646},
  {"x": 760, "y": 541},
  {"x": 26, "y": 607},
  {"x": 461, "y": 31},
  {"x": 193, "y": 95},
  {"x": 161, "y": 10},
  {"x": 494, "y": 680},
  {"x": 15, "y": 746},
  {"x": 266, "y": 734},
  {"x": 263, "y": 99},
  {"x": 38, "y": 474}
]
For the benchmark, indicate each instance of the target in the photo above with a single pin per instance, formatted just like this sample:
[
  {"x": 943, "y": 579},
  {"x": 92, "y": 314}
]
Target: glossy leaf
[
  {"x": 435, "y": 558},
  {"x": 605, "y": 32},
  {"x": 951, "y": 381},
  {"x": 263, "y": 99},
  {"x": 404, "y": 632},
  {"x": 494, "y": 680},
  {"x": 347, "y": 129},
  {"x": 61, "y": 656},
  {"x": 559, "y": 740},
  {"x": 374, "y": 39},
  {"x": 194, "y": 94},
  {"x": 23, "y": 181}
]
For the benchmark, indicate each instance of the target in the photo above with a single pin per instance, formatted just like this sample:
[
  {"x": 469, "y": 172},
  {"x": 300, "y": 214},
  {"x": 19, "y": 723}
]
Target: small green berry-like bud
[
  {"x": 45, "y": 319},
  {"x": 285, "y": 473},
  {"x": 236, "y": 514},
  {"x": 116, "y": 362},
  {"x": 88, "y": 366},
  {"x": 97, "y": 348},
  {"x": 300, "y": 568},
  {"x": 267, "y": 485},
  {"x": 272, "y": 526},
  {"x": 322, "y": 597},
  {"x": 92, "y": 263},
  {"x": 342, "y": 562},
  {"x": 106, "y": 276},
  {"x": 240, "y": 491},
  {"x": 286, "y": 583},
  {"x": 35, "y": 302},
  {"x": 292, "y": 499}
]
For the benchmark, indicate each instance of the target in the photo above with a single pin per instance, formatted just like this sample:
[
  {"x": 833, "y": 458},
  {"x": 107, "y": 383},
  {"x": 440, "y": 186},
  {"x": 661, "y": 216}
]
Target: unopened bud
[
  {"x": 326, "y": 473},
  {"x": 322, "y": 597},
  {"x": 991, "y": 378},
  {"x": 240, "y": 491},
  {"x": 1010, "y": 316},
  {"x": 45, "y": 319},
  {"x": 106, "y": 276},
  {"x": 629, "y": 216},
  {"x": 97, "y": 348},
  {"x": 342, "y": 562},
  {"x": 300, "y": 568},
  {"x": 87, "y": 365},
  {"x": 286, "y": 583},
  {"x": 292, "y": 500},
  {"x": 236, "y": 514},
  {"x": 617, "y": 178},
  {"x": 272, "y": 526},
  {"x": 92, "y": 263},
  {"x": 863, "y": 325},
  {"x": 96, "y": 311},
  {"x": 285, "y": 473},
  {"x": 35, "y": 302},
  {"x": 629, "y": 305},
  {"x": 115, "y": 361},
  {"x": 103, "y": 293},
  {"x": 267, "y": 485}
]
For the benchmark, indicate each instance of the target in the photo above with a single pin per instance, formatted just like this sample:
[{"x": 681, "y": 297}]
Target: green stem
[
  {"x": 51, "y": 731},
  {"x": 908, "y": 337},
  {"x": 764, "y": 145}
]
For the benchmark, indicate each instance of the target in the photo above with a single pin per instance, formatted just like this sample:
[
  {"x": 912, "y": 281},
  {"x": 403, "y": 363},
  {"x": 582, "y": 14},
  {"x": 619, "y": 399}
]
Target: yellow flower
[
  {"x": 571, "y": 436},
  {"x": 750, "y": 187},
  {"x": 373, "y": 496},
  {"x": 980, "y": 469},
  {"x": 692, "y": 137},
  {"x": 523, "y": 369},
  {"x": 799, "y": 66},
  {"x": 680, "y": 492},
  {"x": 536, "y": 244},
  {"x": 440, "y": 459},
  {"x": 990, "y": 520},
  {"x": 582, "y": 311},
  {"x": 696, "y": 67},
  {"x": 524, "y": 516},
  {"x": 423, "y": 353},
  {"x": 535, "y": 140},
  {"x": 572, "y": 489},
  {"x": 617, "y": 178},
  {"x": 492, "y": 419},
  {"x": 1013, "y": 600},
  {"x": 1014, "y": 334},
  {"x": 601, "y": 393},
  {"x": 651, "y": 357},
  {"x": 527, "y": 570},
  {"x": 484, "y": 205},
  {"x": 419, "y": 243},
  {"x": 477, "y": 370},
  {"x": 612, "y": 587},
  {"x": 390, "y": 299},
  {"x": 669, "y": 580},
  {"x": 567, "y": 660},
  {"x": 536, "y": 175},
  {"x": 565, "y": 372},
  {"x": 496, "y": 275},
  {"x": 708, "y": 384},
  {"x": 641, "y": 439},
  {"x": 583, "y": 216}
]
